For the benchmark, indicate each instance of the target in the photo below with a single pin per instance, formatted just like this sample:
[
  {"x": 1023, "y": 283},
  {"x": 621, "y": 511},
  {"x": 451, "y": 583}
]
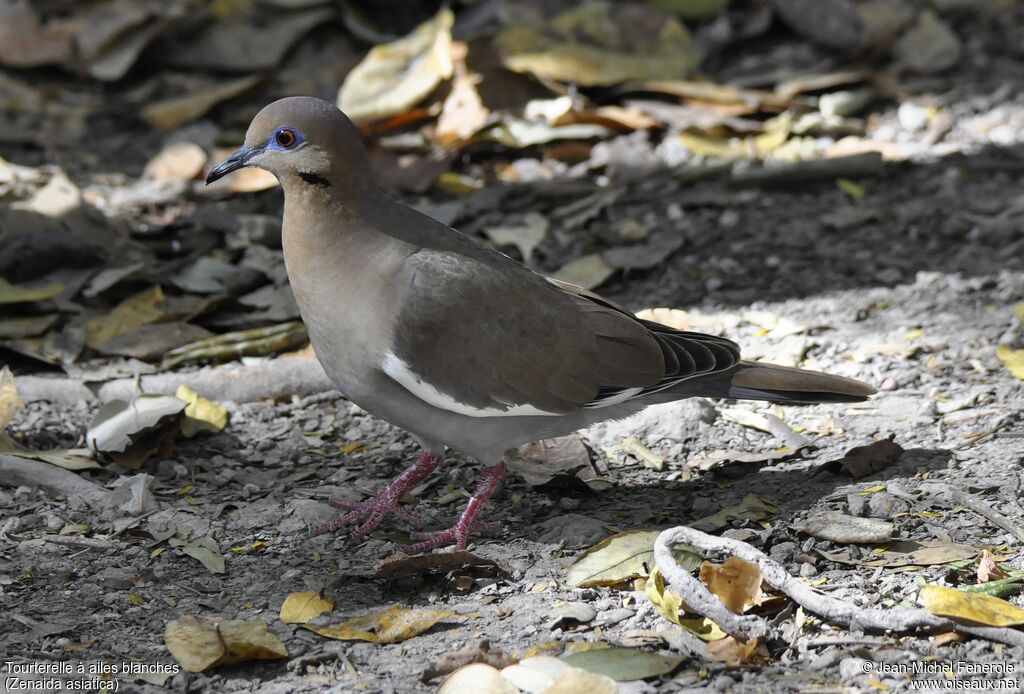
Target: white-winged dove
[{"x": 457, "y": 343}]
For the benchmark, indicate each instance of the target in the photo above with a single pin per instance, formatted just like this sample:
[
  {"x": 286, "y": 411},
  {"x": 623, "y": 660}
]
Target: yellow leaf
[
  {"x": 200, "y": 644},
  {"x": 1013, "y": 359},
  {"x": 737, "y": 583},
  {"x": 666, "y": 601},
  {"x": 393, "y": 77},
  {"x": 20, "y": 294},
  {"x": 873, "y": 489},
  {"x": 390, "y": 625},
  {"x": 200, "y": 414},
  {"x": 703, "y": 628},
  {"x": 619, "y": 558},
  {"x": 351, "y": 447},
  {"x": 139, "y": 309},
  {"x": 136, "y": 599},
  {"x": 851, "y": 188},
  {"x": 299, "y": 608},
  {"x": 973, "y": 607},
  {"x": 1018, "y": 311}
]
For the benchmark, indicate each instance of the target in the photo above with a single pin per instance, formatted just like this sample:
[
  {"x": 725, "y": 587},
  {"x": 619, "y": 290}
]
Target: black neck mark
[{"x": 315, "y": 180}]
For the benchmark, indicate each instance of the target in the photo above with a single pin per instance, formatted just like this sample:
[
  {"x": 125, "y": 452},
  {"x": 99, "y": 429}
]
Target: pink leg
[
  {"x": 469, "y": 520},
  {"x": 370, "y": 513}
]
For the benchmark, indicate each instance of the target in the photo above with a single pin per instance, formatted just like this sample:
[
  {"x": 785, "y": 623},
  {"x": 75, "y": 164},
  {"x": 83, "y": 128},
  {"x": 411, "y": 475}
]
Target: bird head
[{"x": 303, "y": 141}]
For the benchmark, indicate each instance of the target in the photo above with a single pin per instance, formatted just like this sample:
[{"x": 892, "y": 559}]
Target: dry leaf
[
  {"x": 176, "y": 163},
  {"x": 839, "y": 527},
  {"x": 665, "y": 600},
  {"x": 703, "y": 628},
  {"x": 390, "y": 625},
  {"x": 621, "y": 557},
  {"x": 21, "y": 294},
  {"x": 732, "y": 652},
  {"x": 988, "y": 570},
  {"x": 26, "y": 42},
  {"x": 623, "y": 664},
  {"x": 299, "y": 608},
  {"x": 113, "y": 427},
  {"x": 1013, "y": 360},
  {"x": 588, "y": 272},
  {"x": 201, "y": 644},
  {"x": 171, "y": 113},
  {"x": 525, "y": 236},
  {"x": 867, "y": 460},
  {"x": 201, "y": 415},
  {"x": 70, "y": 459},
  {"x": 394, "y": 77},
  {"x": 477, "y": 678},
  {"x": 139, "y": 309},
  {"x": 463, "y": 113},
  {"x": 737, "y": 583},
  {"x": 204, "y": 549},
  {"x": 972, "y": 607}
]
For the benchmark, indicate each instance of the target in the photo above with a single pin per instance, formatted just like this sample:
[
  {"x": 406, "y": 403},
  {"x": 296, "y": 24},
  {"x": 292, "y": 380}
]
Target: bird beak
[{"x": 238, "y": 160}]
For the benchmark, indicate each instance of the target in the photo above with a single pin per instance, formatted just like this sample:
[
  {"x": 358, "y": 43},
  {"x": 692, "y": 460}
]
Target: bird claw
[
  {"x": 370, "y": 513},
  {"x": 467, "y": 522}
]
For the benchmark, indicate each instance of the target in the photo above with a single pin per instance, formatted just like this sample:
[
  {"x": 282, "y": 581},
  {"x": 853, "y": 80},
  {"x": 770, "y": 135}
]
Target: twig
[
  {"x": 830, "y": 609},
  {"x": 88, "y": 542},
  {"x": 15, "y": 471},
  {"x": 962, "y": 498}
]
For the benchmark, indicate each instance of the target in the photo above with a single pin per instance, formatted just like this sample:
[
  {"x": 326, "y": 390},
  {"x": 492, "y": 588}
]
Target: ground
[{"x": 907, "y": 281}]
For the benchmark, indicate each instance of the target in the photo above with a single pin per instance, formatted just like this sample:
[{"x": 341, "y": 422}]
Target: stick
[{"x": 830, "y": 609}]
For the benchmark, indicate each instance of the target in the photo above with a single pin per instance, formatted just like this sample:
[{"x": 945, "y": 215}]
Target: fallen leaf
[
  {"x": 751, "y": 508},
  {"x": 204, "y": 549},
  {"x": 202, "y": 644},
  {"x": 560, "y": 462},
  {"x": 178, "y": 162},
  {"x": 631, "y": 445},
  {"x": 839, "y": 527},
  {"x": 588, "y": 272},
  {"x": 138, "y": 309},
  {"x": 172, "y": 113},
  {"x": 299, "y": 608},
  {"x": 703, "y": 628},
  {"x": 930, "y": 46},
  {"x": 665, "y": 600},
  {"x": 621, "y": 557},
  {"x": 737, "y": 583},
  {"x": 70, "y": 459},
  {"x": 393, "y": 624},
  {"x": 731, "y": 651},
  {"x": 463, "y": 113},
  {"x": 988, "y": 570},
  {"x": 113, "y": 427},
  {"x": 10, "y": 402},
  {"x": 1013, "y": 360},
  {"x": 624, "y": 664},
  {"x": 23, "y": 294},
  {"x": 26, "y": 42},
  {"x": 644, "y": 256},
  {"x": 863, "y": 461},
  {"x": 600, "y": 43},
  {"x": 272, "y": 339},
  {"x": 516, "y": 133},
  {"x": 479, "y": 651},
  {"x": 201, "y": 415},
  {"x": 26, "y": 326},
  {"x": 393, "y": 77},
  {"x": 525, "y": 236},
  {"x": 971, "y": 607},
  {"x": 476, "y": 678}
]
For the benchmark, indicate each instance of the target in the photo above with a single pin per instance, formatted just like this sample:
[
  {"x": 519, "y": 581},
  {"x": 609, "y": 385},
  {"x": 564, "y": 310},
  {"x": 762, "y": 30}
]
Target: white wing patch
[{"x": 401, "y": 373}]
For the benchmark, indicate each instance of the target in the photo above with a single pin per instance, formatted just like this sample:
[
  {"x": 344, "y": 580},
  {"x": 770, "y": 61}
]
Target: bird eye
[{"x": 285, "y": 137}]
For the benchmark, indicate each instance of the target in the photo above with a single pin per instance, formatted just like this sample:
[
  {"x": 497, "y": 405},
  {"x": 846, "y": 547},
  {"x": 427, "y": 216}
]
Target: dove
[{"x": 457, "y": 343}]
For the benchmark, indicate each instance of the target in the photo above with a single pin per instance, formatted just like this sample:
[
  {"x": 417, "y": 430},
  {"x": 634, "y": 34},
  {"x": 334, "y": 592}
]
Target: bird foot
[
  {"x": 467, "y": 522},
  {"x": 370, "y": 513}
]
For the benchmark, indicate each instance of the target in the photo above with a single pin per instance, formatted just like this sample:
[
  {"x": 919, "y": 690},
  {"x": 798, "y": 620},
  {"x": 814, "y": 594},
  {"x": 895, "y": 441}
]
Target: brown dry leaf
[
  {"x": 598, "y": 43},
  {"x": 70, "y": 459},
  {"x": 559, "y": 462},
  {"x": 201, "y": 415},
  {"x": 732, "y": 652},
  {"x": 171, "y": 113},
  {"x": 737, "y": 583},
  {"x": 26, "y": 42},
  {"x": 26, "y": 326},
  {"x": 178, "y": 162},
  {"x": 972, "y": 607},
  {"x": 10, "y": 401},
  {"x": 394, "y": 77},
  {"x": 139, "y": 309},
  {"x": 622, "y": 557},
  {"x": 201, "y": 644},
  {"x": 299, "y": 608},
  {"x": 390, "y": 625},
  {"x": 863, "y": 461},
  {"x": 988, "y": 570}
]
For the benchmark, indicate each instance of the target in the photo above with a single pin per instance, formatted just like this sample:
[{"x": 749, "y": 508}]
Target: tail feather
[{"x": 785, "y": 384}]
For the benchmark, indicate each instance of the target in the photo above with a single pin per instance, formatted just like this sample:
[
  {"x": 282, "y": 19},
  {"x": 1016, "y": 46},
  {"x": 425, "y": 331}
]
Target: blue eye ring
[{"x": 285, "y": 138}]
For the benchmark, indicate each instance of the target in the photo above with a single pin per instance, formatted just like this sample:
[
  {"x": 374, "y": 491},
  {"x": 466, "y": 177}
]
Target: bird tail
[{"x": 783, "y": 384}]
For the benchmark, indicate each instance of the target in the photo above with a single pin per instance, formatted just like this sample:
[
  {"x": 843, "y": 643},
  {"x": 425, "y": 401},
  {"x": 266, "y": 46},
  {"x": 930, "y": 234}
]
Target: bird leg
[
  {"x": 469, "y": 520},
  {"x": 370, "y": 513}
]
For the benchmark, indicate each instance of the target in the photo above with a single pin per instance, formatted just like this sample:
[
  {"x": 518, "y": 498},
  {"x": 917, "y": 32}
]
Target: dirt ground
[{"x": 909, "y": 288}]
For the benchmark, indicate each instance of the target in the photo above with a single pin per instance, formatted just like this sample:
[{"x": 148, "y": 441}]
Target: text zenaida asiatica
[{"x": 454, "y": 341}]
